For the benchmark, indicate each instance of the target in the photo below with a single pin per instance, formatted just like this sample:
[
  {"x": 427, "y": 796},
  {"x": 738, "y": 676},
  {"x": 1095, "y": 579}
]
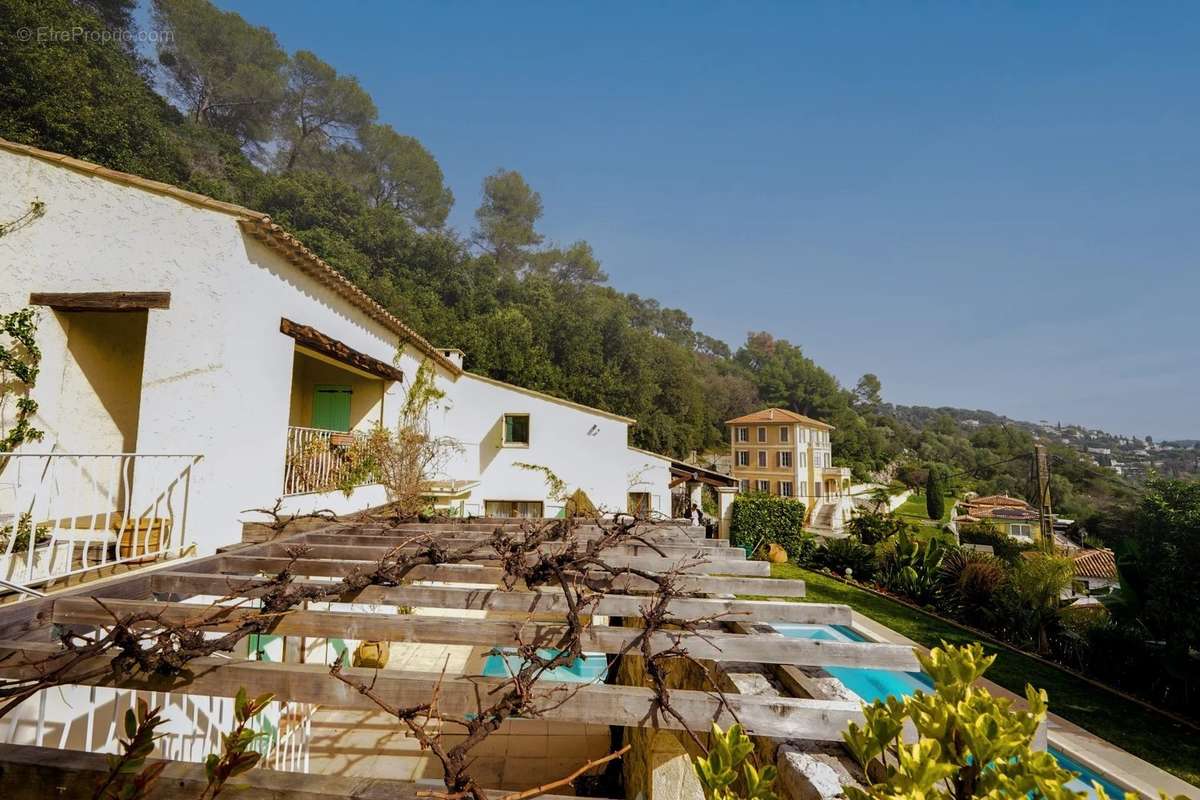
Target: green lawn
[
  {"x": 913, "y": 509},
  {"x": 1148, "y": 735}
]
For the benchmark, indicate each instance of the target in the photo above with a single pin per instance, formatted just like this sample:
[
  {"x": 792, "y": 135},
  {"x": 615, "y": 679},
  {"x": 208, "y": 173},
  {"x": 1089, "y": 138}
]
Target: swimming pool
[
  {"x": 591, "y": 668},
  {"x": 876, "y": 684}
]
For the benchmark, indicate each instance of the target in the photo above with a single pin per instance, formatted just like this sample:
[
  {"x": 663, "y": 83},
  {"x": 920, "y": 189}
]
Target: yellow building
[{"x": 780, "y": 452}]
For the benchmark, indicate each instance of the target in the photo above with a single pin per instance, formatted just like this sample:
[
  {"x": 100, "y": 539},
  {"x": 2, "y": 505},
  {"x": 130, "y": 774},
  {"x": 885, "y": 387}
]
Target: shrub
[
  {"x": 762, "y": 519},
  {"x": 910, "y": 568},
  {"x": 839, "y": 555},
  {"x": 969, "y": 744},
  {"x": 872, "y": 528},
  {"x": 969, "y": 581},
  {"x": 984, "y": 532}
]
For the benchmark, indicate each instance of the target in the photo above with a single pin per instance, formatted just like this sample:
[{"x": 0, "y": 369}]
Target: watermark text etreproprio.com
[{"x": 44, "y": 34}]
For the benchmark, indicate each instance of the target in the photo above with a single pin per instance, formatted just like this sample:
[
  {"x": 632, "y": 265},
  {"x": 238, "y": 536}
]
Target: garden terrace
[{"x": 461, "y": 599}]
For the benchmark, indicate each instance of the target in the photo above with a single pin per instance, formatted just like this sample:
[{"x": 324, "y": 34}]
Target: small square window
[
  {"x": 785, "y": 458},
  {"x": 742, "y": 434},
  {"x": 785, "y": 488},
  {"x": 763, "y": 486},
  {"x": 516, "y": 429},
  {"x": 744, "y": 485},
  {"x": 743, "y": 458}
]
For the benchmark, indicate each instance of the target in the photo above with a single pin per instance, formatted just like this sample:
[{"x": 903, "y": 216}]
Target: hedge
[{"x": 760, "y": 519}]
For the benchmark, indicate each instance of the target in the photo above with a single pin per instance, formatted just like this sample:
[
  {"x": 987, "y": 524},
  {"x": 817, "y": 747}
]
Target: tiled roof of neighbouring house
[
  {"x": 1007, "y": 513},
  {"x": 998, "y": 500},
  {"x": 779, "y": 415},
  {"x": 1095, "y": 564}
]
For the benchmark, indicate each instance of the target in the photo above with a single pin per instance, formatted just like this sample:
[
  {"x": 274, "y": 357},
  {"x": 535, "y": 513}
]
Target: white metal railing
[
  {"x": 287, "y": 743},
  {"x": 315, "y": 458},
  {"x": 89, "y": 719},
  {"x": 63, "y": 514}
]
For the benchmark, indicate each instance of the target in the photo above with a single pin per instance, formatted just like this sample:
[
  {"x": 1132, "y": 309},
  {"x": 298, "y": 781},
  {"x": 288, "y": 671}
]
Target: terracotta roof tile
[
  {"x": 998, "y": 500},
  {"x": 779, "y": 415},
  {"x": 1095, "y": 564}
]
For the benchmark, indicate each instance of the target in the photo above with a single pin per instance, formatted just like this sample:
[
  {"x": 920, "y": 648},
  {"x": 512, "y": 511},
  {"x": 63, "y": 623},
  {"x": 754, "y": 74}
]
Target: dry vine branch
[
  {"x": 146, "y": 643},
  {"x": 279, "y": 522}
]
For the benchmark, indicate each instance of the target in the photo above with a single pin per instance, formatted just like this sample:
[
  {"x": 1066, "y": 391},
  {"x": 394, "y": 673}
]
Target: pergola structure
[{"x": 713, "y": 574}]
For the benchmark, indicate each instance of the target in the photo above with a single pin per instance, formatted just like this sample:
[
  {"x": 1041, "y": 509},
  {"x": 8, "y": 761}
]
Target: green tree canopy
[
  {"x": 507, "y": 216},
  {"x": 222, "y": 71},
  {"x": 320, "y": 109},
  {"x": 400, "y": 172}
]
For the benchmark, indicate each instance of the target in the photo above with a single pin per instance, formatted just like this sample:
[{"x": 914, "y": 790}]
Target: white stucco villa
[{"x": 208, "y": 342}]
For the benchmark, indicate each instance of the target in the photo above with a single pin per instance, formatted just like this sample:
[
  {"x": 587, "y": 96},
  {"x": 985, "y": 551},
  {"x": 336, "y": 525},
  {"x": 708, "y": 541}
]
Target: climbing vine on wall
[
  {"x": 20, "y": 360},
  {"x": 36, "y": 209}
]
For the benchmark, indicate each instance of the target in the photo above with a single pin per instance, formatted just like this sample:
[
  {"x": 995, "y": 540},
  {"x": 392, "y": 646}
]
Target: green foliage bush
[
  {"x": 838, "y": 555},
  {"x": 762, "y": 519},
  {"x": 969, "y": 743},
  {"x": 1003, "y": 547},
  {"x": 969, "y": 581},
  {"x": 909, "y": 567},
  {"x": 872, "y": 528}
]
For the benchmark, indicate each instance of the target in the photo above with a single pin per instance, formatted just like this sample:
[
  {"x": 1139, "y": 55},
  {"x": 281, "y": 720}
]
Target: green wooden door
[{"x": 331, "y": 408}]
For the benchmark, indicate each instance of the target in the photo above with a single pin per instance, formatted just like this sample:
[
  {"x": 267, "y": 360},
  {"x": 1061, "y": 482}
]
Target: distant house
[
  {"x": 1095, "y": 572},
  {"x": 780, "y": 452},
  {"x": 1009, "y": 515}
]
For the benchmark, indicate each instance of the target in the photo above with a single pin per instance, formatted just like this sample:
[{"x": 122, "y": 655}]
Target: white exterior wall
[
  {"x": 585, "y": 449},
  {"x": 217, "y": 372}
]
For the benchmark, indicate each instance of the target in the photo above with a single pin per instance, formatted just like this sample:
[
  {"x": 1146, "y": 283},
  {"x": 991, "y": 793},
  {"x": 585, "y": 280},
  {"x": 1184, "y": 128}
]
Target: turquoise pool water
[
  {"x": 591, "y": 668},
  {"x": 876, "y": 684}
]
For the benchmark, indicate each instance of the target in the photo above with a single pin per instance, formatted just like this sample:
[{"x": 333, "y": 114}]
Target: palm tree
[{"x": 1040, "y": 582}]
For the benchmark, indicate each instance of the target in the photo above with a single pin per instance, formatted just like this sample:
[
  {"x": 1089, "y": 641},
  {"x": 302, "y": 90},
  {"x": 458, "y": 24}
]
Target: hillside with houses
[{"x": 307, "y": 492}]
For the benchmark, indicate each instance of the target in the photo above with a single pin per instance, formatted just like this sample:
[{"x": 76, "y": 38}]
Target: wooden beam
[
  {"x": 36, "y": 773},
  {"x": 653, "y": 563},
  {"x": 469, "y": 573},
  {"x": 101, "y": 301},
  {"x": 669, "y": 537},
  {"x": 596, "y": 704},
  {"x": 714, "y": 554},
  {"x": 338, "y": 351},
  {"x": 710, "y": 645},
  {"x": 549, "y": 601}
]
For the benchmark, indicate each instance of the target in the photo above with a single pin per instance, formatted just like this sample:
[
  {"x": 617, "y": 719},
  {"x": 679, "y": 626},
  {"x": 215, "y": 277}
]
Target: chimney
[
  {"x": 454, "y": 355},
  {"x": 770, "y": 413}
]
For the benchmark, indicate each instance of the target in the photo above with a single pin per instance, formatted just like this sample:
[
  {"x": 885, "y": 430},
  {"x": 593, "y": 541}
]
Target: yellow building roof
[{"x": 779, "y": 415}]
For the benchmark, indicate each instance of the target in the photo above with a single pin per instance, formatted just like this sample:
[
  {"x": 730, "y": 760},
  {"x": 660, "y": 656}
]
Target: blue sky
[{"x": 989, "y": 206}]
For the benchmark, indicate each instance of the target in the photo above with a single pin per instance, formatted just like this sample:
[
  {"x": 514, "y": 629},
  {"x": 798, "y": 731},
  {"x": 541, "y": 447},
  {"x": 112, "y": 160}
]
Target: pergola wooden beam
[
  {"x": 468, "y": 573},
  {"x": 672, "y": 549},
  {"x": 548, "y": 601},
  {"x": 584, "y": 531},
  {"x": 597, "y": 704},
  {"x": 482, "y": 555},
  {"x": 708, "y": 644},
  {"x": 37, "y": 773},
  {"x": 101, "y": 301}
]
